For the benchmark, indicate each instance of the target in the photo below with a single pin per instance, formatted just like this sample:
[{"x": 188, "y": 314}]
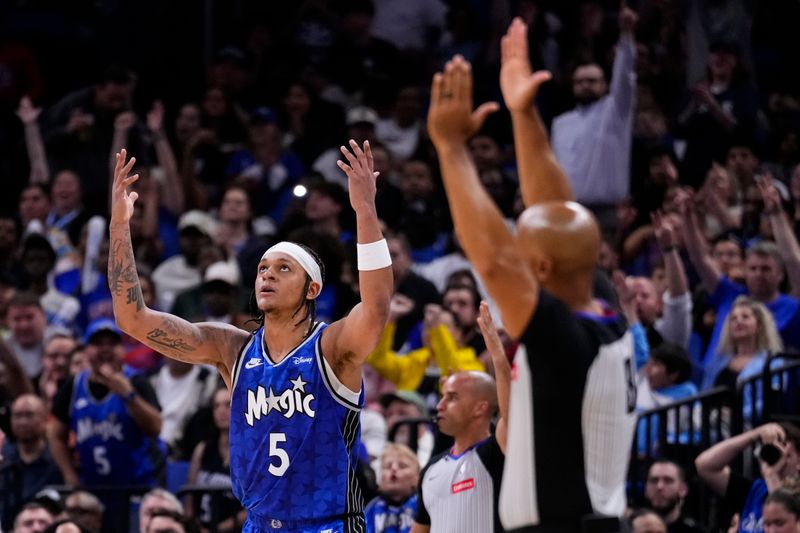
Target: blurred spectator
[
  {"x": 78, "y": 131},
  {"x": 235, "y": 220},
  {"x": 85, "y": 510},
  {"x": 401, "y": 131},
  {"x": 220, "y": 294},
  {"x": 38, "y": 260},
  {"x": 763, "y": 276},
  {"x": 34, "y": 204},
  {"x": 463, "y": 302},
  {"x": 266, "y": 168},
  {"x": 665, "y": 378},
  {"x": 647, "y": 521},
  {"x": 310, "y": 124},
  {"x": 782, "y": 511},
  {"x": 27, "y": 322},
  {"x": 114, "y": 414},
  {"x": 181, "y": 272},
  {"x": 361, "y": 62},
  {"x": 598, "y": 167},
  {"x": 424, "y": 219},
  {"x": 189, "y": 304},
  {"x": 55, "y": 365},
  {"x": 409, "y": 284},
  {"x": 394, "y": 509},
  {"x": 404, "y": 405},
  {"x": 67, "y": 217},
  {"x": 409, "y": 26},
  {"x": 26, "y": 466},
  {"x": 360, "y": 122},
  {"x": 33, "y": 518},
  {"x": 13, "y": 383},
  {"x": 182, "y": 389},
  {"x": 210, "y": 467},
  {"x": 168, "y": 522},
  {"x": 718, "y": 106},
  {"x": 442, "y": 352},
  {"x": 747, "y": 343},
  {"x": 666, "y": 491},
  {"x": 740, "y": 493},
  {"x": 155, "y": 502}
]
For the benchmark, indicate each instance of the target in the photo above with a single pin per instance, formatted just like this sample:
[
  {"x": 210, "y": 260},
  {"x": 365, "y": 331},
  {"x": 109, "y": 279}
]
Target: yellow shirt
[{"x": 407, "y": 371}]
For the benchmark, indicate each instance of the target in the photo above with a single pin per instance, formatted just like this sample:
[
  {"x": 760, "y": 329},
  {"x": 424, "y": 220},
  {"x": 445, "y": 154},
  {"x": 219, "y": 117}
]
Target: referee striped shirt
[
  {"x": 571, "y": 419},
  {"x": 458, "y": 493}
]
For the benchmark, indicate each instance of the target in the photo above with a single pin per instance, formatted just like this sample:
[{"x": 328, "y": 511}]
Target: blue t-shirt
[
  {"x": 385, "y": 517},
  {"x": 294, "y": 437},
  {"x": 785, "y": 310},
  {"x": 750, "y": 518}
]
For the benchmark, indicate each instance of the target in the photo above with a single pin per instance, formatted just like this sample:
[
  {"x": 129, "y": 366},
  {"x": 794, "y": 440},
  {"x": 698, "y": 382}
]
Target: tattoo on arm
[
  {"x": 121, "y": 265},
  {"x": 165, "y": 340},
  {"x": 174, "y": 337},
  {"x": 135, "y": 295}
]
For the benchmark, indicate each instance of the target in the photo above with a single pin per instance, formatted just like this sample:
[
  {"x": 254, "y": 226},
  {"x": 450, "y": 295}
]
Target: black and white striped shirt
[
  {"x": 458, "y": 493},
  {"x": 571, "y": 419}
]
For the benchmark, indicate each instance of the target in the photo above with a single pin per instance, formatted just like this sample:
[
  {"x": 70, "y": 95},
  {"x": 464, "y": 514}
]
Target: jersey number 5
[
  {"x": 283, "y": 457},
  {"x": 101, "y": 460}
]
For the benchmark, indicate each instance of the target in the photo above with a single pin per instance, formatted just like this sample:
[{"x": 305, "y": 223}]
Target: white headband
[{"x": 301, "y": 256}]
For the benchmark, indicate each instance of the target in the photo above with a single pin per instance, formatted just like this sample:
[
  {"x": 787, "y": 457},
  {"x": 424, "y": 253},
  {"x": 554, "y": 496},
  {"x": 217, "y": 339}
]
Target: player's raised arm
[
  {"x": 349, "y": 341},
  {"x": 215, "y": 344},
  {"x": 541, "y": 178},
  {"x": 480, "y": 227}
]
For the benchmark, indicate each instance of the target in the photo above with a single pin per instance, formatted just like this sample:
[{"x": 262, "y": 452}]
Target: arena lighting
[{"x": 300, "y": 191}]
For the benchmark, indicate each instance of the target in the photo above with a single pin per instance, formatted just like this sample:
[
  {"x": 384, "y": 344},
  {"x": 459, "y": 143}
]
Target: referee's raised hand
[{"x": 451, "y": 120}]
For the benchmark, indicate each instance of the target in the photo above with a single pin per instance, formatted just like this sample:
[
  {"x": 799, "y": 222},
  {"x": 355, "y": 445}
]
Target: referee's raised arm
[{"x": 481, "y": 229}]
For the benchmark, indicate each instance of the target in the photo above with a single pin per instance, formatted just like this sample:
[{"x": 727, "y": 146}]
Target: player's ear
[{"x": 313, "y": 290}]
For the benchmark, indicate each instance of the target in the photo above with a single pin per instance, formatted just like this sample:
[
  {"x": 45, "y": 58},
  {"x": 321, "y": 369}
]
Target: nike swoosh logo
[{"x": 252, "y": 363}]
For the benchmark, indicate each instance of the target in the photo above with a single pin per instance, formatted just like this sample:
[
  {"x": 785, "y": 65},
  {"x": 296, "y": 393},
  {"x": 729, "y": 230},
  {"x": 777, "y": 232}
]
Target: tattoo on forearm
[
  {"x": 121, "y": 265},
  {"x": 165, "y": 340},
  {"x": 135, "y": 295}
]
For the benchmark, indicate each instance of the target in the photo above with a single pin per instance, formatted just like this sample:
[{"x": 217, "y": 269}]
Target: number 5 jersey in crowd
[{"x": 294, "y": 437}]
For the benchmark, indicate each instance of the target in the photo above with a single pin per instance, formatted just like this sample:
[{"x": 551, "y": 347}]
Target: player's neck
[
  {"x": 575, "y": 293},
  {"x": 469, "y": 438},
  {"x": 283, "y": 334}
]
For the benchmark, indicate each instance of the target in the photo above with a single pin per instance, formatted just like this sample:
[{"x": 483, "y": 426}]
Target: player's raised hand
[
  {"x": 361, "y": 175},
  {"x": 451, "y": 120},
  {"x": 121, "y": 200},
  {"x": 518, "y": 83}
]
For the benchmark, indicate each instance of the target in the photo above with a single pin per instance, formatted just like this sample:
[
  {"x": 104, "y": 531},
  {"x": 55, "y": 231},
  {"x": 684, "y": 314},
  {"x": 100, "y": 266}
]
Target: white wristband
[{"x": 373, "y": 256}]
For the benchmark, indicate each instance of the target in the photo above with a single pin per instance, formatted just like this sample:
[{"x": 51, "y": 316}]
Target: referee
[
  {"x": 571, "y": 414},
  {"x": 458, "y": 490}
]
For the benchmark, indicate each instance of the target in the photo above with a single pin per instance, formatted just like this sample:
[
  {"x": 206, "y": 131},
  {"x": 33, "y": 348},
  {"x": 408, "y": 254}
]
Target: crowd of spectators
[{"x": 677, "y": 122}]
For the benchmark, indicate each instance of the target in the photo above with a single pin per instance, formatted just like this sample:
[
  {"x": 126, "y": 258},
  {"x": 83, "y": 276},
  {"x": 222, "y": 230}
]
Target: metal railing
[{"x": 680, "y": 431}]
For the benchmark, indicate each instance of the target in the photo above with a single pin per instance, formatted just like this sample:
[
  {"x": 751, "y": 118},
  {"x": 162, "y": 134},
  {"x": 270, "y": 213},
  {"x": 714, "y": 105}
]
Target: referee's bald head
[{"x": 480, "y": 386}]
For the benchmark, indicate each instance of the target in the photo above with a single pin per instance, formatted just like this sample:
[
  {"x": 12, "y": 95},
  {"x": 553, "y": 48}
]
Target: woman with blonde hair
[{"x": 749, "y": 336}]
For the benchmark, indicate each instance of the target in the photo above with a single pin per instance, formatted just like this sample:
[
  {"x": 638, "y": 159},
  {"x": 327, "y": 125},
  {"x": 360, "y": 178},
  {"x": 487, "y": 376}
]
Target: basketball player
[
  {"x": 571, "y": 414},
  {"x": 295, "y": 383}
]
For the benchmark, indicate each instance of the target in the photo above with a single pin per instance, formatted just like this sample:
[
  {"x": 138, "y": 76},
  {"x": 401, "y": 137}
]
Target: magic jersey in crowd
[
  {"x": 294, "y": 438},
  {"x": 112, "y": 448}
]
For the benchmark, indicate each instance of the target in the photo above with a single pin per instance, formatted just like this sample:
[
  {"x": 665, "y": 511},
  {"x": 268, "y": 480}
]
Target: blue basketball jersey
[
  {"x": 112, "y": 448},
  {"x": 294, "y": 437}
]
